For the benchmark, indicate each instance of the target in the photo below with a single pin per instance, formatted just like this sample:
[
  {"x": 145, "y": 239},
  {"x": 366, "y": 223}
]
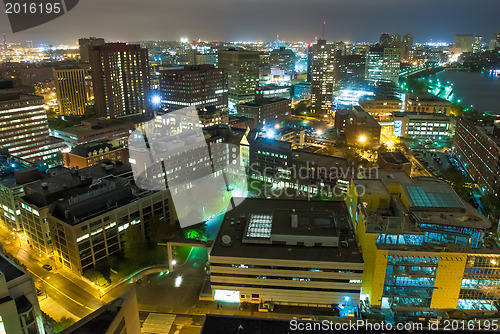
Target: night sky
[{"x": 293, "y": 20}]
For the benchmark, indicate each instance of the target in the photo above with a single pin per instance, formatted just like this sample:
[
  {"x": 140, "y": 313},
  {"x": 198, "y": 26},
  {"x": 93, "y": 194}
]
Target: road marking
[{"x": 65, "y": 295}]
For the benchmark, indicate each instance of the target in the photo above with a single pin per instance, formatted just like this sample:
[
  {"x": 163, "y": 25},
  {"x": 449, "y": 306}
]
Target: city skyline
[{"x": 356, "y": 21}]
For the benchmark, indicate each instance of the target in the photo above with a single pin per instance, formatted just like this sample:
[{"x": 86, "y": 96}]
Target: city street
[{"x": 64, "y": 288}]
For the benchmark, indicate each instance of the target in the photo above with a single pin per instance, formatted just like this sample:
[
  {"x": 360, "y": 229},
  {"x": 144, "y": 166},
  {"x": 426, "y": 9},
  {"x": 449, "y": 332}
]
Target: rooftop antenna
[{"x": 323, "y": 30}]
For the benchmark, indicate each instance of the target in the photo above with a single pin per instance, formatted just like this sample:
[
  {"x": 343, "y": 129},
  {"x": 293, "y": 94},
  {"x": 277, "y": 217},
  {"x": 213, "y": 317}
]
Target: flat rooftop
[
  {"x": 396, "y": 158},
  {"x": 263, "y": 101},
  {"x": 271, "y": 218}
]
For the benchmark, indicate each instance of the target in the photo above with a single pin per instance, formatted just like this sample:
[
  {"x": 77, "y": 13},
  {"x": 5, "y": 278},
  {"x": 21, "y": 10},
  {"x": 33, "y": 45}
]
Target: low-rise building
[
  {"x": 381, "y": 107},
  {"x": 95, "y": 130},
  {"x": 428, "y": 103},
  {"x": 286, "y": 252},
  {"x": 358, "y": 127},
  {"x": 423, "y": 125},
  {"x": 19, "y": 308},
  {"x": 424, "y": 248},
  {"x": 394, "y": 161},
  {"x": 56, "y": 216},
  {"x": 266, "y": 111},
  {"x": 90, "y": 154}
]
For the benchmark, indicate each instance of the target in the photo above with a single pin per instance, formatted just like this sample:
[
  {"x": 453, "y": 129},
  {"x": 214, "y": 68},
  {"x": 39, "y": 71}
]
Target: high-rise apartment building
[
  {"x": 242, "y": 68},
  {"x": 19, "y": 308},
  {"x": 322, "y": 77},
  {"x": 70, "y": 90},
  {"x": 86, "y": 44},
  {"x": 197, "y": 86},
  {"x": 383, "y": 64},
  {"x": 24, "y": 130},
  {"x": 120, "y": 79}
]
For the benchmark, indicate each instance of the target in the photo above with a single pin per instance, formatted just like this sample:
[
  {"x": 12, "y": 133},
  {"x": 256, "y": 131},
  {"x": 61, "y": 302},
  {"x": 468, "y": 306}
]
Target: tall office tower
[
  {"x": 396, "y": 40},
  {"x": 322, "y": 77},
  {"x": 242, "y": 69},
  {"x": 497, "y": 42},
  {"x": 198, "y": 86},
  {"x": 86, "y": 44},
  {"x": 282, "y": 62},
  {"x": 407, "y": 44},
  {"x": 120, "y": 79},
  {"x": 464, "y": 42},
  {"x": 385, "y": 39},
  {"x": 24, "y": 130},
  {"x": 19, "y": 308},
  {"x": 477, "y": 47},
  {"x": 4, "y": 44},
  {"x": 383, "y": 64},
  {"x": 392, "y": 64},
  {"x": 70, "y": 90}
]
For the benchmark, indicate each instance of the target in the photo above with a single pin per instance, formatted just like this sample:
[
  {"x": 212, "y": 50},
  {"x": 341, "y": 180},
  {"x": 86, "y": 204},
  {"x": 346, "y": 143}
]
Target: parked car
[{"x": 47, "y": 267}]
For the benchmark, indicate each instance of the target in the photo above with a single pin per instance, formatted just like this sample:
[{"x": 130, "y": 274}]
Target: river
[{"x": 482, "y": 90}]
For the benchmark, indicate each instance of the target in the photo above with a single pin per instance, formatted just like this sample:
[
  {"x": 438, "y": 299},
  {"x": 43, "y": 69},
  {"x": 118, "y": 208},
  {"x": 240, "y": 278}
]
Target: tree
[
  {"x": 134, "y": 244},
  {"x": 96, "y": 277}
]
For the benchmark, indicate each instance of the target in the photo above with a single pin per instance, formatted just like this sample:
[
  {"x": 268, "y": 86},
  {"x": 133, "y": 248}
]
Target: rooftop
[
  {"x": 70, "y": 193},
  {"x": 10, "y": 270},
  {"x": 396, "y": 158},
  {"x": 263, "y": 101},
  {"x": 289, "y": 230}
]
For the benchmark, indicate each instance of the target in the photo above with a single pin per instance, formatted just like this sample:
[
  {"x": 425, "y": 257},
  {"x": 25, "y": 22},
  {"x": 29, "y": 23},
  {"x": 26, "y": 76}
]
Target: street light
[{"x": 362, "y": 139}]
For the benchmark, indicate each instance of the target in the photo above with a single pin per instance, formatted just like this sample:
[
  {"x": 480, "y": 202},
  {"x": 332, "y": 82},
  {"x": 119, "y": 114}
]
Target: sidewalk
[{"x": 54, "y": 310}]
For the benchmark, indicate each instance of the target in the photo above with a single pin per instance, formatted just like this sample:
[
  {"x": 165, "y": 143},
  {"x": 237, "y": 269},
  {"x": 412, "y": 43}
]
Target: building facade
[
  {"x": 242, "y": 68},
  {"x": 197, "y": 86},
  {"x": 70, "y": 90},
  {"x": 322, "y": 77},
  {"x": 55, "y": 213},
  {"x": 427, "y": 103},
  {"x": 423, "y": 125},
  {"x": 281, "y": 252},
  {"x": 120, "y": 78},
  {"x": 478, "y": 148},
  {"x": 266, "y": 111},
  {"x": 424, "y": 248},
  {"x": 24, "y": 130}
]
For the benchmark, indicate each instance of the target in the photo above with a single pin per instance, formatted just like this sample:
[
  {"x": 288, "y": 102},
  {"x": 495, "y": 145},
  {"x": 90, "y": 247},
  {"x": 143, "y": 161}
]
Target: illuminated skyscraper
[
  {"x": 477, "y": 47},
  {"x": 70, "y": 90},
  {"x": 24, "y": 130},
  {"x": 282, "y": 62},
  {"x": 322, "y": 76},
  {"x": 120, "y": 79},
  {"x": 383, "y": 64},
  {"x": 242, "y": 69}
]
